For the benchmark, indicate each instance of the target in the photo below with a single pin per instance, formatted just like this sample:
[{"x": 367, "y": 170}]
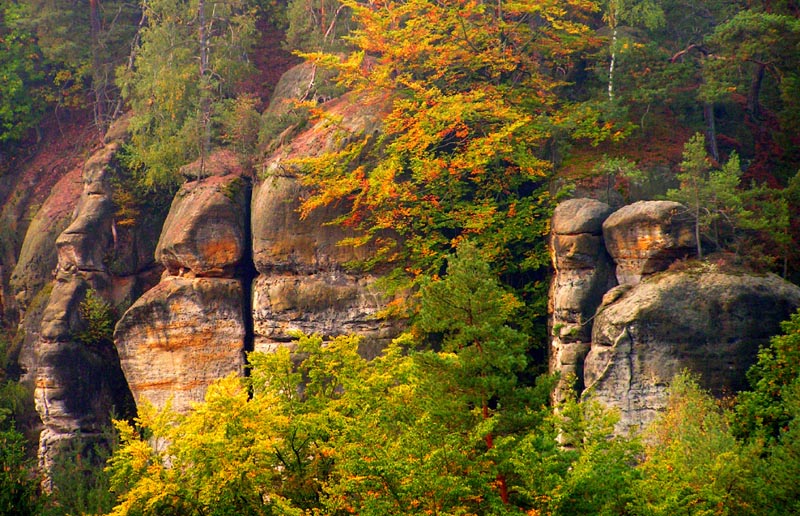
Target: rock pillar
[
  {"x": 190, "y": 329},
  {"x": 583, "y": 273}
]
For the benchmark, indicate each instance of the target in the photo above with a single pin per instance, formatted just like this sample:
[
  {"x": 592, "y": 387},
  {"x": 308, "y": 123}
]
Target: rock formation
[
  {"x": 657, "y": 322},
  {"x": 78, "y": 384},
  {"x": 646, "y": 237},
  {"x": 708, "y": 322},
  {"x": 583, "y": 273},
  {"x": 303, "y": 281},
  {"x": 190, "y": 329}
]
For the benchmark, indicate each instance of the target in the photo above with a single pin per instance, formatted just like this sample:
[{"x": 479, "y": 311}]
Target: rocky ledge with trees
[{"x": 347, "y": 308}]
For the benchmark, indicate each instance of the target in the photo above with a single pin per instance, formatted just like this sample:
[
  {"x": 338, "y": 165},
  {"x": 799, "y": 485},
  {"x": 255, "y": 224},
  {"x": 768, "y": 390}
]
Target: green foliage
[
  {"x": 710, "y": 194},
  {"x": 80, "y": 484},
  {"x": 327, "y": 432},
  {"x": 169, "y": 92},
  {"x": 693, "y": 463},
  {"x": 18, "y": 488},
  {"x": 22, "y": 72},
  {"x": 317, "y": 25},
  {"x": 99, "y": 318},
  {"x": 768, "y": 409}
]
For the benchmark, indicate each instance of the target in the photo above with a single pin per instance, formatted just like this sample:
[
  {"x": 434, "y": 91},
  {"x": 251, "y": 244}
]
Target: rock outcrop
[
  {"x": 583, "y": 273},
  {"x": 657, "y": 322},
  {"x": 191, "y": 329},
  {"x": 646, "y": 237},
  {"x": 78, "y": 384},
  {"x": 303, "y": 282},
  {"x": 709, "y": 323}
]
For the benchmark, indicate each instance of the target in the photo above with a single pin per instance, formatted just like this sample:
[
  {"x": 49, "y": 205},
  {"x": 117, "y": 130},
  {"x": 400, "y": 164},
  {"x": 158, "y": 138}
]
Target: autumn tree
[{"x": 473, "y": 93}]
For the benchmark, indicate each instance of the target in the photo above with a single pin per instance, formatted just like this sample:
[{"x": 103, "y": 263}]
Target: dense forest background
[{"x": 493, "y": 111}]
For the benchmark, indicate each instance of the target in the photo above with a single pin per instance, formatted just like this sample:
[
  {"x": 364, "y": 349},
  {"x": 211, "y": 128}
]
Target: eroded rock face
[
  {"x": 205, "y": 230},
  {"x": 181, "y": 336},
  {"x": 190, "y": 330},
  {"x": 646, "y": 237},
  {"x": 303, "y": 282},
  {"x": 38, "y": 257},
  {"x": 79, "y": 384},
  {"x": 583, "y": 273},
  {"x": 710, "y": 323}
]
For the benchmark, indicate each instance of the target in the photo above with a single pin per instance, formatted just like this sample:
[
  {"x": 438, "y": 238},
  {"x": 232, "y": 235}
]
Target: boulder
[
  {"x": 327, "y": 303},
  {"x": 181, "y": 336},
  {"x": 708, "y": 322},
  {"x": 646, "y": 237},
  {"x": 283, "y": 241},
  {"x": 205, "y": 231}
]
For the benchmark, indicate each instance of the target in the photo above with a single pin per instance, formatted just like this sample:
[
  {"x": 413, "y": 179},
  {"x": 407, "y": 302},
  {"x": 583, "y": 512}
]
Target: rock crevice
[{"x": 632, "y": 339}]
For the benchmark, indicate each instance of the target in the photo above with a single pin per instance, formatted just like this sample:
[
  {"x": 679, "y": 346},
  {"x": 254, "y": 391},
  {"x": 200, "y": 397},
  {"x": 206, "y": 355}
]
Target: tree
[
  {"x": 189, "y": 59},
  {"x": 618, "y": 12},
  {"x": 693, "y": 463},
  {"x": 18, "y": 489},
  {"x": 768, "y": 408},
  {"x": 326, "y": 431},
  {"x": 710, "y": 193},
  {"x": 22, "y": 70},
  {"x": 473, "y": 93},
  {"x": 82, "y": 43}
]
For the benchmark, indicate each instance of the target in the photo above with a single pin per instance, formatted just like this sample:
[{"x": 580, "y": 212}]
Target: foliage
[
  {"x": 693, "y": 463},
  {"x": 79, "y": 481},
  {"x": 99, "y": 318},
  {"x": 171, "y": 95},
  {"x": 769, "y": 407},
  {"x": 22, "y": 71},
  {"x": 327, "y": 431},
  {"x": 317, "y": 25},
  {"x": 82, "y": 44},
  {"x": 473, "y": 94},
  {"x": 18, "y": 488},
  {"x": 710, "y": 193}
]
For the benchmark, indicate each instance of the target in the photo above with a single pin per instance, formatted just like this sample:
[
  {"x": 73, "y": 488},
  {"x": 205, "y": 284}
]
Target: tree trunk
[
  {"x": 611, "y": 65},
  {"x": 99, "y": 81},
  {"x": 753, "y": 106},
  {"x": 711, "y": 130},
  {"x": 205, "y": 98}
]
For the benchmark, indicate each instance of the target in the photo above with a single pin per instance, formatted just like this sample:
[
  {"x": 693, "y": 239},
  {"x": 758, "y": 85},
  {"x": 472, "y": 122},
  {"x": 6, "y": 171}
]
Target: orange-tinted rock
[
  {"x": 646, "y": 237},
  {"x": 181, "y": 336},
  {"x": 205, "y": 230}
]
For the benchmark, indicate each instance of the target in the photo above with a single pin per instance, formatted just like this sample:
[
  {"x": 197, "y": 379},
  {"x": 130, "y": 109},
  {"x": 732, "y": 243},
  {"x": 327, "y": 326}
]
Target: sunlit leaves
[{"x": 472, "y": 88}]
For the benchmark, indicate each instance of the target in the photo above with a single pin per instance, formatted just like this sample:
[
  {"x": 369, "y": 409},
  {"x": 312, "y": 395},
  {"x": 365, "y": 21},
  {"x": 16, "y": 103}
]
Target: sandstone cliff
[
  {"x": 625, "y": 350},
  {"x": 77, "y": 384},
  {"x": 190, "y": 329}
]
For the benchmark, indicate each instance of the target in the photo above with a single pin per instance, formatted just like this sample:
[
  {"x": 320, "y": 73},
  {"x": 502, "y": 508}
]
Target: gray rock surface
[
  {"x": 705, "y": 321},
  {"x": 583, "y": 273}
]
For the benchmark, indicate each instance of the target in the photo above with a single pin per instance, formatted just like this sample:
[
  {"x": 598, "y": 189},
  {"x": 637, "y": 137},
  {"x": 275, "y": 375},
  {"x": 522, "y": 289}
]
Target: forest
[{"x": 493, "y": 111}]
